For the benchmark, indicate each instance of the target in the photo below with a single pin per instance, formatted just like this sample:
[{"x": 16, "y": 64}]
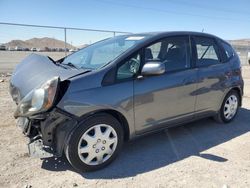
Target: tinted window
[
  {"x": 207, "y": 51},
  {"x": 129, "y": 68},
  {"x": 228, "y": 50},
  {"x": 172, "y": 51}
]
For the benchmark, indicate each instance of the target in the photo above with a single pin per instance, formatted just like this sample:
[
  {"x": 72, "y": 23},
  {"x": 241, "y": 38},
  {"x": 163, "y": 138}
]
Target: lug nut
[
  {"x": 104, "y": 141},
  {"x": 99, "y": 140},
  {"x": 103, "y": 148},
  {"x": 94, "y": 146},
  {"x": 97, "y": 151}
]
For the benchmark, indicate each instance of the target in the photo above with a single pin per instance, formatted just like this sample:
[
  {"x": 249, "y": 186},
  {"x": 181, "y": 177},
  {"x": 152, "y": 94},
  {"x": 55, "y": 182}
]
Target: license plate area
[{"x": 38, "y": 150}]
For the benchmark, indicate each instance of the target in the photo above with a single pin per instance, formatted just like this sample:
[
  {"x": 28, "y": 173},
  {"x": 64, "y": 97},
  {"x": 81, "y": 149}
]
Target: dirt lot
[
  {"x": 200, "y": 154},
  {"x": 9, "y": 59}
]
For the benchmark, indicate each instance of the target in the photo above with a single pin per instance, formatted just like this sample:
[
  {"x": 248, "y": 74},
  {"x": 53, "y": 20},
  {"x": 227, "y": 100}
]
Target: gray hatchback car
[{"x": 88, "y": 103}]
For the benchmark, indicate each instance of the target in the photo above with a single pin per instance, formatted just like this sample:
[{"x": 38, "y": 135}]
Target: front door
[{"x": 169, "y": 98}]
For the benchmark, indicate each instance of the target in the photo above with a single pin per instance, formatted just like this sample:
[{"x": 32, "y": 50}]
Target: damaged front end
[
  {"x": 47, "y": 132},
  {"x": 37, "y": 85},
  {"x": 39, "y": 119}
]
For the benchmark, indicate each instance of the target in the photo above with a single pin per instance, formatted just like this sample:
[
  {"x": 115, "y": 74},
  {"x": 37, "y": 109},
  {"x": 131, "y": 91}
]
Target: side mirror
[{"x": 153, "y": 68}]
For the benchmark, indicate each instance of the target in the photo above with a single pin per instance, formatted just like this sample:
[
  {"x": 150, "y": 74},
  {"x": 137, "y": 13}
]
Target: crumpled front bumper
[
  {"x": 47, "y": 132},
  {"x": 36, "y": 147},
  {"x": 38, "y": 150}
]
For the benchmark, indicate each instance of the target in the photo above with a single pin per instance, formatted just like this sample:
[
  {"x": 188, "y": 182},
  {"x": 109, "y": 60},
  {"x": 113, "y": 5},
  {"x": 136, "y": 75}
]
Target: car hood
[{"x": 35, "y": 70}]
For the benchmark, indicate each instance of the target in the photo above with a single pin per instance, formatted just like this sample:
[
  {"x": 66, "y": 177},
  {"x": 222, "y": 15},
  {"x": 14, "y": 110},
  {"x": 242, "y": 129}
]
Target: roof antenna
[{"x": 202, "y": 30}]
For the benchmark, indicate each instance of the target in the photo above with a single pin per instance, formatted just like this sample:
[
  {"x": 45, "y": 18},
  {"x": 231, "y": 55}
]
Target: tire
[
  {"x": 86, "y": 142},
  {"x": 222, "y": 116}
]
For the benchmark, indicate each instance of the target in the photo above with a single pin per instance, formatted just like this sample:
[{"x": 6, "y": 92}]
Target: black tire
[
  {"x": 220, "y": 117},
  {"x": 71, "y": 149}
]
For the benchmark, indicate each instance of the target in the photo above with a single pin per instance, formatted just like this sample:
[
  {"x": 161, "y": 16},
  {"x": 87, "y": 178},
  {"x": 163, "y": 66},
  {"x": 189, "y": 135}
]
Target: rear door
[
  {"x": 212, "y": 75},
  {"x": 169, "y": 98}
]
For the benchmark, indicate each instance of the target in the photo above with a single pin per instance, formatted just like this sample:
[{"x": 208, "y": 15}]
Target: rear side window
[
  {"x": 228, "y": 50},
  {"x": 207, "y": 51}
]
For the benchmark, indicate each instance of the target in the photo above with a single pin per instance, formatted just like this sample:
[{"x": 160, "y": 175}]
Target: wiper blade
[{"x": 70, "y": 64}]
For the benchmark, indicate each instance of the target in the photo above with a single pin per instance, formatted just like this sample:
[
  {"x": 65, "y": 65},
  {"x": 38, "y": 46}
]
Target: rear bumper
[{"x": 47, "y": 133}]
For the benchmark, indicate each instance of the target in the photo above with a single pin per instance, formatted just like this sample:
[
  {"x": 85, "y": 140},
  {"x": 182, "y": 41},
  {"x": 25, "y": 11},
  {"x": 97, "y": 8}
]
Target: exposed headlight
[{"x": 38, "y": 100}]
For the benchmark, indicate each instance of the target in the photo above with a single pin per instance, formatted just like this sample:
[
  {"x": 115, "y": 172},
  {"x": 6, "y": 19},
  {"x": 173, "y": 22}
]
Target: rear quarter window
[
  {"x": 207, "y": 51},
  {"x": 228, "y": 50}
]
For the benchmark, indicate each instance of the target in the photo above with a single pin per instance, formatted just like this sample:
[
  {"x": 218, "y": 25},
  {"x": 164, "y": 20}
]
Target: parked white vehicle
[{"x": 33, "y": 49}]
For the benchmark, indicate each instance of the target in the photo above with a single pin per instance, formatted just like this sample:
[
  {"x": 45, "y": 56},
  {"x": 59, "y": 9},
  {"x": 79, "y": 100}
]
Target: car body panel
[
  {"x": 83, "y": 98},
  {"x": 164, "y": 99},
  {"x": 212, "y": 84}
]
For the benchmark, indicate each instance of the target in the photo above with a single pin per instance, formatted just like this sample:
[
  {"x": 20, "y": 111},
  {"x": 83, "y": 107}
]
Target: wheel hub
[{"x": 100, "y": 145}]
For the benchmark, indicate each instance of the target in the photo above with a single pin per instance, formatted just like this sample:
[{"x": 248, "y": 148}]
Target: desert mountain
[{"x": 38, "y": 43}]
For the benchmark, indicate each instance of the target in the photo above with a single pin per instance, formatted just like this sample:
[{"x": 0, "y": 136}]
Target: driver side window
[{"x": 129, "y": 68}]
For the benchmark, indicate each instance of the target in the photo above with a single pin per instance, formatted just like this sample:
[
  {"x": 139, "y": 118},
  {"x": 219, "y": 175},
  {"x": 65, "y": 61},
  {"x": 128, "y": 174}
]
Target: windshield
[{"x": 101, "y": 53}]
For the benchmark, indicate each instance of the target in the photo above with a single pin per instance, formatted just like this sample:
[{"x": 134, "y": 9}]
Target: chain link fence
[
  {"x": 242, "y": 47},
  {"x": 19, "y": 40}
]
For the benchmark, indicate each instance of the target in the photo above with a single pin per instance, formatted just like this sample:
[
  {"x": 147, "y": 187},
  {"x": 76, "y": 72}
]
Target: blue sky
[{"x": 229, "y": 19}]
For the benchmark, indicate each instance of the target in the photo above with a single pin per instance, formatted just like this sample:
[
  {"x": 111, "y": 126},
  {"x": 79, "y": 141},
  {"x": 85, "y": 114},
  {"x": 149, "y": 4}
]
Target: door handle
[
  {"x": 188, "y": 81},
  {"x": 140, "y": 77}
]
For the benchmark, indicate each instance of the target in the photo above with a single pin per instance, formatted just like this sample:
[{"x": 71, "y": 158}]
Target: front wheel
[
  {"x": 95, "y": 143},
  {"x": 229, "y": 107}
]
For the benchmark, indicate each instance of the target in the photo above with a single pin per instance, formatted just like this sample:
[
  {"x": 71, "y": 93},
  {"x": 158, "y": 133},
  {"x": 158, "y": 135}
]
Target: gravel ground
[{"x": 199, "y": 154}]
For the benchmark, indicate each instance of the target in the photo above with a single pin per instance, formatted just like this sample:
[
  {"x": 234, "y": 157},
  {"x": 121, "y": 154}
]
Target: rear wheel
[
  {"x": 95, "y": 143},
  {"x": 229, "y": 107}
]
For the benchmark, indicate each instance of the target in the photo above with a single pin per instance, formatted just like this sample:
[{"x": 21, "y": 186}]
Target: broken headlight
[{"x": 38, "y": 100}]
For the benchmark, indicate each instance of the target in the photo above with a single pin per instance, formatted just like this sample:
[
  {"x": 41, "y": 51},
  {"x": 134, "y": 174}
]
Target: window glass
[
  {"x": 206, "y": 51},
  {"x": 108, "y": 52},
  {"x": 228, "y": 50},
  {"x": 153, "y": 51},
  {"x": 172, "y": 51},
  {"x": 101, "y": 53},
  {"x": 129, "y": 68}
]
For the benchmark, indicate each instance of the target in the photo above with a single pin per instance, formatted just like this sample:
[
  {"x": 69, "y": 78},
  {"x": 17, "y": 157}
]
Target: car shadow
[{"x": 161, "y": 149}]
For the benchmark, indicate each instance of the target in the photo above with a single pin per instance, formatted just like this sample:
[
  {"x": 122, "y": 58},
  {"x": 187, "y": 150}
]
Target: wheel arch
[
  {"x": 235, "y": 88},
  {"x": 239, "y": 91},
  {"x": 116, "y": 114}
]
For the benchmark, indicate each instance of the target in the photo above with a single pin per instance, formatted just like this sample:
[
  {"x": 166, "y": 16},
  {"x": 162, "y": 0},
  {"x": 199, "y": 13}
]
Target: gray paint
[{"x": 162, "y": 99}]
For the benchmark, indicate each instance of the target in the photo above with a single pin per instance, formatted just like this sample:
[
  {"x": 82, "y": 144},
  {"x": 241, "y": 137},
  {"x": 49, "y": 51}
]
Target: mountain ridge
[{"x": 39, "y": 43}]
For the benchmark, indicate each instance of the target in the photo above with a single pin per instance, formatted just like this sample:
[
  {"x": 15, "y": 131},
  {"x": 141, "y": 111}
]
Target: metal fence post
[
  {"x": 248, "y": 52},
  {"x": 65, "y": 41}
]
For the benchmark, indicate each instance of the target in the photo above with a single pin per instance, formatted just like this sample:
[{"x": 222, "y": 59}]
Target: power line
[
  {"x": 169, "y": 11},
  {"x": 60, "y": 27},
  {"x": 202, "y": 6}
]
